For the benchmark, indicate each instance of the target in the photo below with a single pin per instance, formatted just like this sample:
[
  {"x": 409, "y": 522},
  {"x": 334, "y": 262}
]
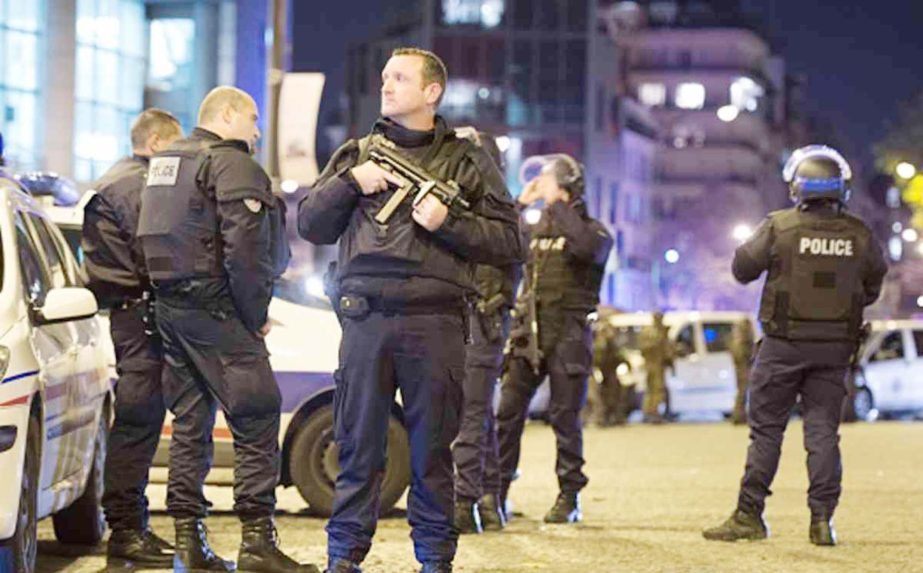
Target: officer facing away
[
  {"x": 475, "y": 450},
  {"x": 823, "y": 266},
  {"x": 659, "y": 354},
  {"x": 741, "y": 348},
  {"x": 214, "y": 242},
  {"x": 403, "y": 287},
  {"x": 606, "y": 403},
  {"x": 568, "y": 252},
  {"x": 118, "y": 277}
]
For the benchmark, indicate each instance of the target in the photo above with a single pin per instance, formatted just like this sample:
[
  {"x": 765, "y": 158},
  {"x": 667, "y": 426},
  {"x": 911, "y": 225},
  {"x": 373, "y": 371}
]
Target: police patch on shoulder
[
  {"x": 254, "y": 205},
  {"x": 163, "y": 171}
]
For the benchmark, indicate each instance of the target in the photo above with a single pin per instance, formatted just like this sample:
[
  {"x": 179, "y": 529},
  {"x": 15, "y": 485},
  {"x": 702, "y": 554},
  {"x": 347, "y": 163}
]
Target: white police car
[
  {"x": 890, "y": 381},
  {"x": 55, "y": 396},
  {"x": 303, "y": 346}
]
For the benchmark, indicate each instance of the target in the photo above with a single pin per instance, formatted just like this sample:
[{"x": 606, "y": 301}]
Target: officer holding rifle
[{"x": 404, "y": 276}]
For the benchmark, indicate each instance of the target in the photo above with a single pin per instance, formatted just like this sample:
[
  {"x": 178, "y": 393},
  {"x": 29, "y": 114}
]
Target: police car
[
  {"x": 703, "y": 381},
  {"x": 55, "y": 394},
  {"x": 303, "y": 346},
  {"x": 890, "y": 381}
]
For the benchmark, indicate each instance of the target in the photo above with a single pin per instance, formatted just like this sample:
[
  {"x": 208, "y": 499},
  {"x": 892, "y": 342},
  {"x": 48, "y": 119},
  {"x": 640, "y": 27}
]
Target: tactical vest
[
  {"x": 562, "y": 281},
  {"x": 814, "y": 287},
  {"x": 178, "y": 226}
]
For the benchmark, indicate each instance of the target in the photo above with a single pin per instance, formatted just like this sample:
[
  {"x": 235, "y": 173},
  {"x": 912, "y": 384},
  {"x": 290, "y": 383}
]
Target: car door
[
  {"x": 683, "y": 379},
  {"x": 717, "y": 385},
  {"x": 52, "y": 345},
  {"x": 87, "y": 387},
  {"x": 887, "y": 372}
]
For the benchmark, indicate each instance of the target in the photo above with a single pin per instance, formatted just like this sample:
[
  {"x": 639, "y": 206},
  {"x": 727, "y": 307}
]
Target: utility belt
[
  {"x": 145, "y": 300},
  {"x": 358, "y": 307}
]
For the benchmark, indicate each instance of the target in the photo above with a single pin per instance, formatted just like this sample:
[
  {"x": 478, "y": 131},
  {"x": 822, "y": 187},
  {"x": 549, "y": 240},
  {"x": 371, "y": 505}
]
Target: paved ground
[{"x": 652, "y": 490}]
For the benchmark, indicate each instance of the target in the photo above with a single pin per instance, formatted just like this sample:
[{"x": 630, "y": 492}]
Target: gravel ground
[{"x": 652, "y": 490}]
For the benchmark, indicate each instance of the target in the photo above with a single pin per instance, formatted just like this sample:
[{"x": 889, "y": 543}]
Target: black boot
[
  {"x": 342, "y": 566},
  {"x": 467, "y": 519},
  {"x": 492, "y": 517},
  {"x": 741, "y": 525},
  {"x": 192, "y": 550},
  {"x": 259, "y": 550},
  {"x": 822, "y": 531},
  {"x": 566, "y": 509},
  {"x": 437, "y": 567},
  {"x": 136, "y": 548}
]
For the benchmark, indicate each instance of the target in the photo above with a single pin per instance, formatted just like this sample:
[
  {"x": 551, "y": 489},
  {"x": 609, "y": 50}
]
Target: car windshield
[{"x": 294, "y": 291}]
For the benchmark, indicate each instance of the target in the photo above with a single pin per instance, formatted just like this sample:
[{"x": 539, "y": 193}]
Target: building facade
[
  {"x": 542, "y": 75},
  {"x": 76, "y": 72},
  {"x": 717, "y": 93}
]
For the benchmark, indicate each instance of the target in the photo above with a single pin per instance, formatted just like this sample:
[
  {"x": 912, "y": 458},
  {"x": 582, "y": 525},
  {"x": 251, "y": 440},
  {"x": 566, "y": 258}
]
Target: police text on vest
[{"x": 827, "y": 247}]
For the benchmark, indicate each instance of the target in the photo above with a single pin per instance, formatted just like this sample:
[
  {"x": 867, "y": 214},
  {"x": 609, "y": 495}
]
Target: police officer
[
  {"x": 823, "y": 266},
  {"x": 475, "y": 450},
  {"x": 658, "y": 354},
  {"x": 118, "y": 277},
  {"x": 213, "y": 242},
  {"x": 403, "y": 287},
  {"x": 741, "y": 348},
  {"x": 568, "y": 252}
]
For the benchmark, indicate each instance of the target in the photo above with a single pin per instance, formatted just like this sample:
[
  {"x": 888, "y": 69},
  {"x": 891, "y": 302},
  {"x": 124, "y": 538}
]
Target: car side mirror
[{"x": 65, "y": 304}]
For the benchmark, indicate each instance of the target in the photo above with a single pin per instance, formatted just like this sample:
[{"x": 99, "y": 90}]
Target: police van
[
  {"x": 890, "y": 380},
  {"x": 55, "y": 392},
  {"x": 703, "y": 379},
  {"x": 304, "y": 347}
]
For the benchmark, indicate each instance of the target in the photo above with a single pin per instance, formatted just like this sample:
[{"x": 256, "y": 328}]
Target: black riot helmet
[{"x": 817, "y": 172}]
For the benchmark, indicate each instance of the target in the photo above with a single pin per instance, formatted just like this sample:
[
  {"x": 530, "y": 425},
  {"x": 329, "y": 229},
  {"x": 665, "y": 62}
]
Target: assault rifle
[{"x": 416, "y": 180}]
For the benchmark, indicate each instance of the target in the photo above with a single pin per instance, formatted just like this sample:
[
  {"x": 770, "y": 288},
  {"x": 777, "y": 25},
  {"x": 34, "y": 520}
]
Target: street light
[
  {"x": 671, "y": 256},
  {"x": 742, "y": 232},
  {"x": 532, "y": 216},
  {"x": 289, "y": 186},
  {"x": 906, "y": 170},
  {"x": 728, "y": 113},
  {"x": 910, "y": 235},
  {"x": 314, "y": 285},
  {"x": 920, "y": 301}
]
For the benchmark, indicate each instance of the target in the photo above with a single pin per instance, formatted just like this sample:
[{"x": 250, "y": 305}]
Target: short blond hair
[
  {"x": 153, "y": 121},
  {"x": 434, "y": 70},
  {"x": 221, "y": 97}
]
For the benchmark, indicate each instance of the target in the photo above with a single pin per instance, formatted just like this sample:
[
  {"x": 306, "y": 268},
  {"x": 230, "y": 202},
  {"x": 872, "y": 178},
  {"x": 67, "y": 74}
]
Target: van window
[
  {"x": 918, "y": 342},
  {"x": 685, "y": 341},
  {"x": 892, "y": 347},
  {"x": 717, "y": 336}
]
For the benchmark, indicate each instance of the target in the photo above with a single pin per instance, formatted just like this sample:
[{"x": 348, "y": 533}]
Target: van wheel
[
  {"x": 18, "y": 552},
  {"x": 313, "y": 462},
  {"x": 864, "y": 405},
  {"x": 82, "y": 522}
]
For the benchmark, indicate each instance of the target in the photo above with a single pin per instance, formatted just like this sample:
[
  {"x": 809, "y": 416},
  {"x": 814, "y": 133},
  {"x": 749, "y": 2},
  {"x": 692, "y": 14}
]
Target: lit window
[
  {"x": 109, "y": 82},
  {"x": 21, "y": 59},
  {"x": 652, "y": 95},
  {"x": 690, "y": 96},
  {"x": 745, "y": 94},
  {"x": 485, "y": 13}
]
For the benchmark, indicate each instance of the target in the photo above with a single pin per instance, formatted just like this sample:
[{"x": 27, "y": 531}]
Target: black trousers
[
  {"x": 567, "y": 358},
  {"x": 476, "y": 448},
  {"x": 139, "y": 413},
  {"x": 213, "y": 360},
  {"x": 784, "y": 370},
  {"x": 423, "y": 356}
]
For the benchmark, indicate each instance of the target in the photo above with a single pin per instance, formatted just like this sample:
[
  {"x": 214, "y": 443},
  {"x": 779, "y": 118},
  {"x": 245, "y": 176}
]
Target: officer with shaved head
[{"x": 214, "y": 242}]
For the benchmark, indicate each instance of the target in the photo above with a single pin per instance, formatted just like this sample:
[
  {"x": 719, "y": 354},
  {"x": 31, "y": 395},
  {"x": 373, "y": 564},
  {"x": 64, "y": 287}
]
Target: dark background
[{"x": 858, "y": 58}]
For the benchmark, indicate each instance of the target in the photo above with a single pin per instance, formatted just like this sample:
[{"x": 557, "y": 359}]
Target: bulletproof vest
[
  {"x": 561, "y": 280},
  {"x": 178, "y": 226},
  {"x": 814, "y": 287}
]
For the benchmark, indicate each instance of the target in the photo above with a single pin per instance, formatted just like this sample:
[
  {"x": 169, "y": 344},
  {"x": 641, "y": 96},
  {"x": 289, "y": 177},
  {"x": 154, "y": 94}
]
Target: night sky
[{"x": 859, "y": 58}]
